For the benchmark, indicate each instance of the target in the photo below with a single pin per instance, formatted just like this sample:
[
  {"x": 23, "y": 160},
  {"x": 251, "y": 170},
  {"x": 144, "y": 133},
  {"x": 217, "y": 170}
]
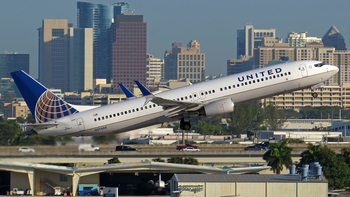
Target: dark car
[
  {"x": 255, "y": 147},
  {"x": 124, "y": 148}
]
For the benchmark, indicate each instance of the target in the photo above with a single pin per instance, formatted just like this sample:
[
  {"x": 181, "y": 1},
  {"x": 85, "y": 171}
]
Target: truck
[
  {"x": 185, "y": 146},
  {"x": 88, "y": 147}
]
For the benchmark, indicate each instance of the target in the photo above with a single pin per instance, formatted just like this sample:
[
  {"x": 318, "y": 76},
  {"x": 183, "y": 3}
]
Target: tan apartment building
[
  {"x": 16, "y": 109},
  {"x": 185, "y": 62},
  {"x": 327, "y": 96}
]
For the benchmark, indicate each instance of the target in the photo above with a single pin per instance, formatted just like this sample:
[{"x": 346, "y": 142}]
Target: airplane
[{"x": 209, "y": 98}]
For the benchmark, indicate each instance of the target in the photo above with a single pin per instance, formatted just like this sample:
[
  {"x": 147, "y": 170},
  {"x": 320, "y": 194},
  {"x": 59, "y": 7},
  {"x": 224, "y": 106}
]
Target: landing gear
[
  {"x": 185, "y": 125},
  {"x": 314, "y": 94}
]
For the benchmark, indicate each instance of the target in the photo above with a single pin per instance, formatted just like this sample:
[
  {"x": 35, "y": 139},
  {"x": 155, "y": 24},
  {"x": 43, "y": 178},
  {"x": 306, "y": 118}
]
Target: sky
[{"x": 213, "y": 24}]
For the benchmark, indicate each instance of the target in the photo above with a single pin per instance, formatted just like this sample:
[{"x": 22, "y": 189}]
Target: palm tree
[
  {"x": 278, "y": 155},
  {"x": 191, "y": 161},
  {"x": 311, "y": 155}
]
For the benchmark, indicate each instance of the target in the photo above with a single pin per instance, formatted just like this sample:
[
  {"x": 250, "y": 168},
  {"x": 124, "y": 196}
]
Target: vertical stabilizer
[{"x": 43, "y": 104}]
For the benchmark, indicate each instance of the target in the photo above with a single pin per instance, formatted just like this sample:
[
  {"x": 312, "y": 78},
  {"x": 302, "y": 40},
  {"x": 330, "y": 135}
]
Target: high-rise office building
[
  {"x": 250, "y": 38},
  {"x": 100, "y": 17},
  {"x": 154, "y": 68},
  {"x": 185, "y": 62},
  {"x": 129, "y": 51},
  {"x": 300, "y": 40},
  {"x": 53, "y": 54},
  {"x": 10, "y": 62},
  {"x": 333, "y": 38},
  {"x": 81, "y": 59},
  {"x": 65, "y": 56}
]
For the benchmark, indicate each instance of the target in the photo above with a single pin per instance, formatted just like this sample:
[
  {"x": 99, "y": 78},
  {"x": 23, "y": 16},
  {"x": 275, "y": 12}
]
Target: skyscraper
[
  {"x": 129, "y": 51},
  {"x": 65, "y": 56},
  {"x": 154, "y": 68},
  {"x": 185, "y": 62},
  {"x": 333, "y": 38},
  {"x": 300, "y": 40},
  {"x": 250, "y": 38},
  {"x": 53, "y": 54},
  {"x": 10, "y": 62},
  {"x": 100, "y": 18}
]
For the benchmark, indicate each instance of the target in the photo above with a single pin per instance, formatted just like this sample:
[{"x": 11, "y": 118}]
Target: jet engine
[{"x": 218, "y": 107}]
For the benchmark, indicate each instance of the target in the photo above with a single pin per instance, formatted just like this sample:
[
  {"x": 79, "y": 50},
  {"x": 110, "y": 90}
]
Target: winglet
[
  {"x": 127, "y": 92},
  {"x": 143, "y": 89},
  {"x": 146, "y": 93}
]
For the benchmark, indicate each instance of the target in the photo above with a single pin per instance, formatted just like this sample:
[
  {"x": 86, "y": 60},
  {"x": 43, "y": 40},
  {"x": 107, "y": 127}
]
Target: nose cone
[{"x": 333, "y": 69}]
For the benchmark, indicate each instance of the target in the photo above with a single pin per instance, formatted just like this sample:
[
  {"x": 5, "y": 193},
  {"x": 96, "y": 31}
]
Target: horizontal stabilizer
[{"x": 42, "y": 125}]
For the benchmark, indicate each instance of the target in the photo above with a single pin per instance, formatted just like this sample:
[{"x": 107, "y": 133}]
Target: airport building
[
  {"x": 141, "y": 178},
  {"x": 185, "y": 62},
  {"x": 242, "y": 185},
  {"x": 65, "y": 59}
]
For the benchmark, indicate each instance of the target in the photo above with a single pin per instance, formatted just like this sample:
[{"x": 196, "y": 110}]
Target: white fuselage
[{"x": 241, "y": 87}]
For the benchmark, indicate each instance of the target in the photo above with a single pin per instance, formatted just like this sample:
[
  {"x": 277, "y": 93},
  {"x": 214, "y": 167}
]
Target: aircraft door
[
  {"x": 303, "y": 70},
  {"x": 80, "y": 124}
]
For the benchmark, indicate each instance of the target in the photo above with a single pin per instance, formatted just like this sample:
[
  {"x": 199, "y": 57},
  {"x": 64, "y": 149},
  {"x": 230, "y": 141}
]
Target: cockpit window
[{"x": 319, "y": 65}]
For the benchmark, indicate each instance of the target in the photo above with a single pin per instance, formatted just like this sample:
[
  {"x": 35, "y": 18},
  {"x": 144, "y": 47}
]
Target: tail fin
[{"x": 43, "y": 104}]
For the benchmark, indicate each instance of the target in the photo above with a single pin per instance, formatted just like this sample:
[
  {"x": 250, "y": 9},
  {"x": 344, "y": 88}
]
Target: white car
[
  {"x": 25, "y": 149},
  {"x": 190, "y": 149}
]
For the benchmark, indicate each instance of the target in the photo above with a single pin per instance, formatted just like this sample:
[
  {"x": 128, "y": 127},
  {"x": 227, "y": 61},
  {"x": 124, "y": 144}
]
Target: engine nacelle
[{"x": 218, "y": 107}]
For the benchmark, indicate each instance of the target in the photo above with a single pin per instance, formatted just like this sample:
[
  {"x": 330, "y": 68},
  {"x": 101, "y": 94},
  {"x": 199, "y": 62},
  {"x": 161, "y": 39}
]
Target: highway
[{"x": 210, "y": 153}]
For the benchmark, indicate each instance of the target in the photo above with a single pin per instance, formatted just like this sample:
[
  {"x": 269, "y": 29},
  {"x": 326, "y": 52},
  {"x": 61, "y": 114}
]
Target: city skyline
[{"x": 214, "y": 25}]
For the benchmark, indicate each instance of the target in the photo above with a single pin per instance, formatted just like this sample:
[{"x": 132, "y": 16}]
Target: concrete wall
[{"x": 253, "y": 189}]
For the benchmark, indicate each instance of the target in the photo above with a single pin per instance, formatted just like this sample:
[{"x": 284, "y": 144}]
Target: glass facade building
[{"x": 100, "y": 18}]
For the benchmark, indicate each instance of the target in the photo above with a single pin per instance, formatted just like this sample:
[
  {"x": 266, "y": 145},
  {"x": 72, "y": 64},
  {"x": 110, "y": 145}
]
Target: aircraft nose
[{"x": 332, "y": 68}]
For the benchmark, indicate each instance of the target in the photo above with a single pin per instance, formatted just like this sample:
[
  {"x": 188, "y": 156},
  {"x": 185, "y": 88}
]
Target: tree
[
  {"x": 279, "y": 154},
  {"x": 30, "y": 118},
  {"x": 104, "y": 139},
  {"x": 175, "y": 159},
  {"x": 333, "y": 165},
  {"x": 113, "y": 160},
  {"x": 246, "y": 117},
  {"x": 345, "y": 152},
  {"x": 8, "y": 131},
  {"x": 158, "y": 159},
  {"x": 275, "y": 118},
  {"x": 191, "y": 161},
  {"x": 206, "y": 128}
]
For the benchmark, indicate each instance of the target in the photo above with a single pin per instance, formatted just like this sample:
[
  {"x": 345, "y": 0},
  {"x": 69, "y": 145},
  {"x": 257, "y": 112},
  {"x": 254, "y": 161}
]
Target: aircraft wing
[
  {"x": 42, "y": 125},
  {"x": 173, "y": 108}
]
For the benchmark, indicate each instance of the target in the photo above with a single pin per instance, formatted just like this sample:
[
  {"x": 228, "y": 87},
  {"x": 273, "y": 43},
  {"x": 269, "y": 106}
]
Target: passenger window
[
  {"x": 209, "y": 92},
  {"x": 103, "y": 118},
  {"x": 186, "y": 97},
  {"x": 253, "y": 81},
  {"x": 266, "y": 78},
  {"x": 237, "y": 85},
  {"x": 233, "y": 86},
  {"x": 117, "y": 114},
  {"x": 121, "y": 113},
  {"x": 137, "y": 109},
  {"x": 113, "y": 115},
  {"x": 213, "y": 91},
  {"x": 141, "y": 108},
  {"x": 178, "y": 99},
  {"x": 125, "y": 112},
  {"x": 133, "y": 110},
  {"x": 220, "y": 89},
  {"x": 106, "y": 117},
  {"x": 250, "y": 82},
  {"x": 225, "y": 88},
  {"x": 154, "y": 105},
  {"x": 195, "y": 95},
  {"x": 289, "y": 73},
  {"x": 95, "y": 119},
  {"x": 110, "y": 116},
  {"x": 182, "y": 98},
  {"x": 262, "y": 79},
  {"x": 229, "y": 87},
  {"x": 270, "y": 77},
  {"x": 145, "y": 107},
  {"x": 150, "y": 106},
  {"x": 278, "y": 75},
  {"x": 190, "y": 96},
  {"x": 258, "y": 80},
  {"x": 242, "y": 84},
  {"x": 246, "y": 83},
  {"x": 202, "y": 93},
  {"x": 99, "y": 119},
  {"x": 274, "y": 77},
  {"x": 281, "y": 74},
  {"x": 206, "y": 92}
]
